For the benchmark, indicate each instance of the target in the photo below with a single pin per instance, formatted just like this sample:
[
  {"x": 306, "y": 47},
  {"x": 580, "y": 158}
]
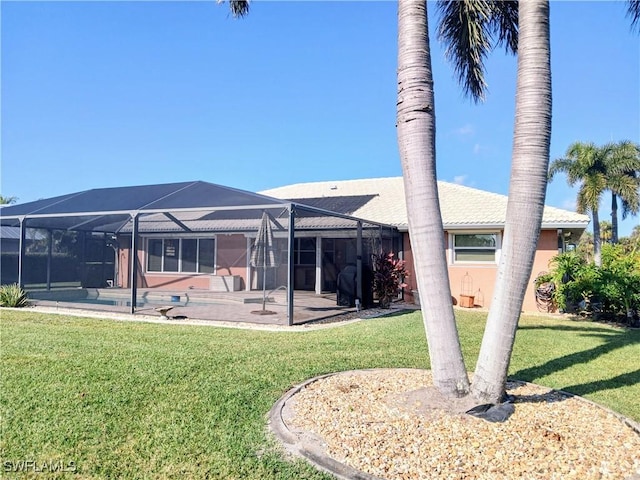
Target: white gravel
[{"x": 394, "y": 425}]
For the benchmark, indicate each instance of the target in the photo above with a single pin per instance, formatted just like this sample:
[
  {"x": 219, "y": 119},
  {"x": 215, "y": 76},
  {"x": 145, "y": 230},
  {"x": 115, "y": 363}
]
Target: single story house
[
  {"x": 473, "y": 221},
  {"x": 202, "y": 236}
]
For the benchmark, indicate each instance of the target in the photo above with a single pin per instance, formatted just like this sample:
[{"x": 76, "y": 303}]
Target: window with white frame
[
  {"x": 475, "y": 247},
  {"x": 188, "y": 255}
]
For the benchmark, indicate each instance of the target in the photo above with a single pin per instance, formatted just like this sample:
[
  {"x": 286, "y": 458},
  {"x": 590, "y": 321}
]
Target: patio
[{"x": 232, "y": 307}]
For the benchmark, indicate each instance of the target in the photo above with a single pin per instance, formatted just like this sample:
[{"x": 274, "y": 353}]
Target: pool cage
[{"x": 196, "y": 237}]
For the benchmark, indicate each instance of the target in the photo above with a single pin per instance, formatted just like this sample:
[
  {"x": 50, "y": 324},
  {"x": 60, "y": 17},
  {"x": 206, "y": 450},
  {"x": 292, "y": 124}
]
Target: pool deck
[{"x": 204, "y": 306}]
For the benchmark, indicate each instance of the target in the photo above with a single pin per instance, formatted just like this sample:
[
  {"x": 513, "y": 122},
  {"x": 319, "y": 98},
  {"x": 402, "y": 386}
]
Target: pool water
[{"x": 123, "y": 302}]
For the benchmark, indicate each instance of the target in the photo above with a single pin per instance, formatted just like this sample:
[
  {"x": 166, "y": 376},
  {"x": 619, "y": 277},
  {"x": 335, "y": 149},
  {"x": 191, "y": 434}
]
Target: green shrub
[
  {"x": 566, "y": 269},
  {"x": 612, "y": 290},
  {"x": 13, "y": 296}
]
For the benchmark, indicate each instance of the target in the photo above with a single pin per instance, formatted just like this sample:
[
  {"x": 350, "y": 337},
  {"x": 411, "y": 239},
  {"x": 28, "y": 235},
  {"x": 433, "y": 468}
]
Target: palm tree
[
  {"x": 468, "y": 28},
  {"x": 622, "y": 163},
  {"x": 416, "y": 142},
  {"x": 525, "y": 205},
  {"x": 606, "y": 232},
  {"x": 584, "y": 164}
]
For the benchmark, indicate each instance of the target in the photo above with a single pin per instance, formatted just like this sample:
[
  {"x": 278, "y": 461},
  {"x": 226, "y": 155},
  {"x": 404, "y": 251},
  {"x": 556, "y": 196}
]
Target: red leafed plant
[{"x": 388, "y": 277}]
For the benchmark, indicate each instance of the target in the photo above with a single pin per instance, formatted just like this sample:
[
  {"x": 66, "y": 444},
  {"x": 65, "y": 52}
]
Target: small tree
[{"x": 388, "y": 277}]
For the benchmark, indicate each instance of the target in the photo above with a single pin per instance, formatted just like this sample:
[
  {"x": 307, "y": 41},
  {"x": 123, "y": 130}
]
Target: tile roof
[{"x": 461, "y": 206}]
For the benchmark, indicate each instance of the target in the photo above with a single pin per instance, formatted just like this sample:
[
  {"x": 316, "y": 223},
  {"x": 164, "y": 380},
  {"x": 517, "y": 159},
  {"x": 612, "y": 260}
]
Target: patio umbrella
[{"x": 263, "y": 255}]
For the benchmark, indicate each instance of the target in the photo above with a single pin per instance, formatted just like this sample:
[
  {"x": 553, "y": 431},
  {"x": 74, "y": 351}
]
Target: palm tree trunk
[
  {"x": 597, "y": 240},
  {"x": 614, "y": 218},
  {"x": 416, "y": 141},
  {"x": 532, "y": 137}
]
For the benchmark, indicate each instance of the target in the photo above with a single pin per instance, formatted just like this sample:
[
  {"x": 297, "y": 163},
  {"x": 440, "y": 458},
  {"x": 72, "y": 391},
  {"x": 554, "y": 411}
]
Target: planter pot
[{"x": 466, "y": 301}]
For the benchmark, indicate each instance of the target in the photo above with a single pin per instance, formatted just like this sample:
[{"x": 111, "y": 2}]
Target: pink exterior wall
[
  {"x": 231, "y": 259},
  {"x": 482, "y": 277},
  {"x": 547, "y": 249}
]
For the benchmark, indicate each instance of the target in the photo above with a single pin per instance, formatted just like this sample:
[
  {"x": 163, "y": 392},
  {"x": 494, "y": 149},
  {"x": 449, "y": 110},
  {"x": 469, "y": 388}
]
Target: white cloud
[
  {"x": 569, "y": 204},
  {"x": 460, "y": 179},
  {"x": 477, "y": 148},
  {"x": 465, "y": 131}
]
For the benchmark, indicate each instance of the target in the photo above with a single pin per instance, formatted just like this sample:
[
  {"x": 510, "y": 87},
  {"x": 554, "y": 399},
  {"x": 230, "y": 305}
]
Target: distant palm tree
[
  {"x": 606, "y": 232},
  {"x": 622, "y": 163},
  {"x": 7, "y": 200},
  {"x": 584, "y": 164}
]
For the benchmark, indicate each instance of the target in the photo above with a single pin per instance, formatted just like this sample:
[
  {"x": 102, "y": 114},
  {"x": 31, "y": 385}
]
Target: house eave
[{"x": 493, "y": 226}]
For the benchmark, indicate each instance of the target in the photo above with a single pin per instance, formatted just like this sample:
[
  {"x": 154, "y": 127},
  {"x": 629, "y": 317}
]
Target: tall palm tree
[
  {"x": 416, "y": 142},
  {"x": 622, "y": 163},
  {"x": 595, "y": 170},
  {"x": 525, "y": 205},
  {"x": 469, "y": 28}
]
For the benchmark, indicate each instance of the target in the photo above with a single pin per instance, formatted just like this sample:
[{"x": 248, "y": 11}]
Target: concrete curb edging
[{"x": 303, "y": 446}]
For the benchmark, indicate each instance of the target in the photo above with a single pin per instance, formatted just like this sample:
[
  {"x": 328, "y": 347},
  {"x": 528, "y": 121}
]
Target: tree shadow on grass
[
  {"x": 622, "y": 380},
  {"x": 614, "y": 339},
  {"x": 611, "y": 331}
]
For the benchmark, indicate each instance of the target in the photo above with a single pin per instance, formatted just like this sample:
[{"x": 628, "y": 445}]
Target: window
[
  {"x": 477, "y": 247},
  {"x": 188, "y": 255},
  {"x": 304, "y": 252}
]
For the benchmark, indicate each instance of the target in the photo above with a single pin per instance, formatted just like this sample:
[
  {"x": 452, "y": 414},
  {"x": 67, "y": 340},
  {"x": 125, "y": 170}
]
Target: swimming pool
[{"x": 122, "y": 301}]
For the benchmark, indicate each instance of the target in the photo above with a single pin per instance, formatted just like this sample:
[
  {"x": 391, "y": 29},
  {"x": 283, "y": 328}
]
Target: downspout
[
  {"x": 134, "y": 261},
  {"x": 359, "y": 263},
  {"x": 290, "y": 271},
  {"x": 318, "y": 265},
  {"x": 247, "y": 283}
]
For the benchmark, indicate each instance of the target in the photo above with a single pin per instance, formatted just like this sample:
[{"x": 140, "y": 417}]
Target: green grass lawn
[{"x": 138, "y": 400}]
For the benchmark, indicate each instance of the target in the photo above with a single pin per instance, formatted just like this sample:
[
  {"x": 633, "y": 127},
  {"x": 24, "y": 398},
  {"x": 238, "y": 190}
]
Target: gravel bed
[{"x": 393, "y": 424}]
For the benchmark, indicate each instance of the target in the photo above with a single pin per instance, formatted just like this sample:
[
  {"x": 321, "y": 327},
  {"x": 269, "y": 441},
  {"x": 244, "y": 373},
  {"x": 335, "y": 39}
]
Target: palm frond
[
  {"x": 622, "y": 158},
  {"x": 559, "y": 165},
  {"x": 470, "y": 29},
  {"x": 238, "y": 8},
  {"x": 633, "y": 11},
  {"x": 593, "y": 187},
  {"x": 505, "y": 24},
  {"x": 629, "y": 208},
  {"x": 465, "y": 30}
]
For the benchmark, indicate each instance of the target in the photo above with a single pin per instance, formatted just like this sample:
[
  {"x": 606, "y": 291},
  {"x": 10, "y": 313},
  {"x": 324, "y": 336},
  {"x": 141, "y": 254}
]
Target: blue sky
[{"x": 101, "y": 94}]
